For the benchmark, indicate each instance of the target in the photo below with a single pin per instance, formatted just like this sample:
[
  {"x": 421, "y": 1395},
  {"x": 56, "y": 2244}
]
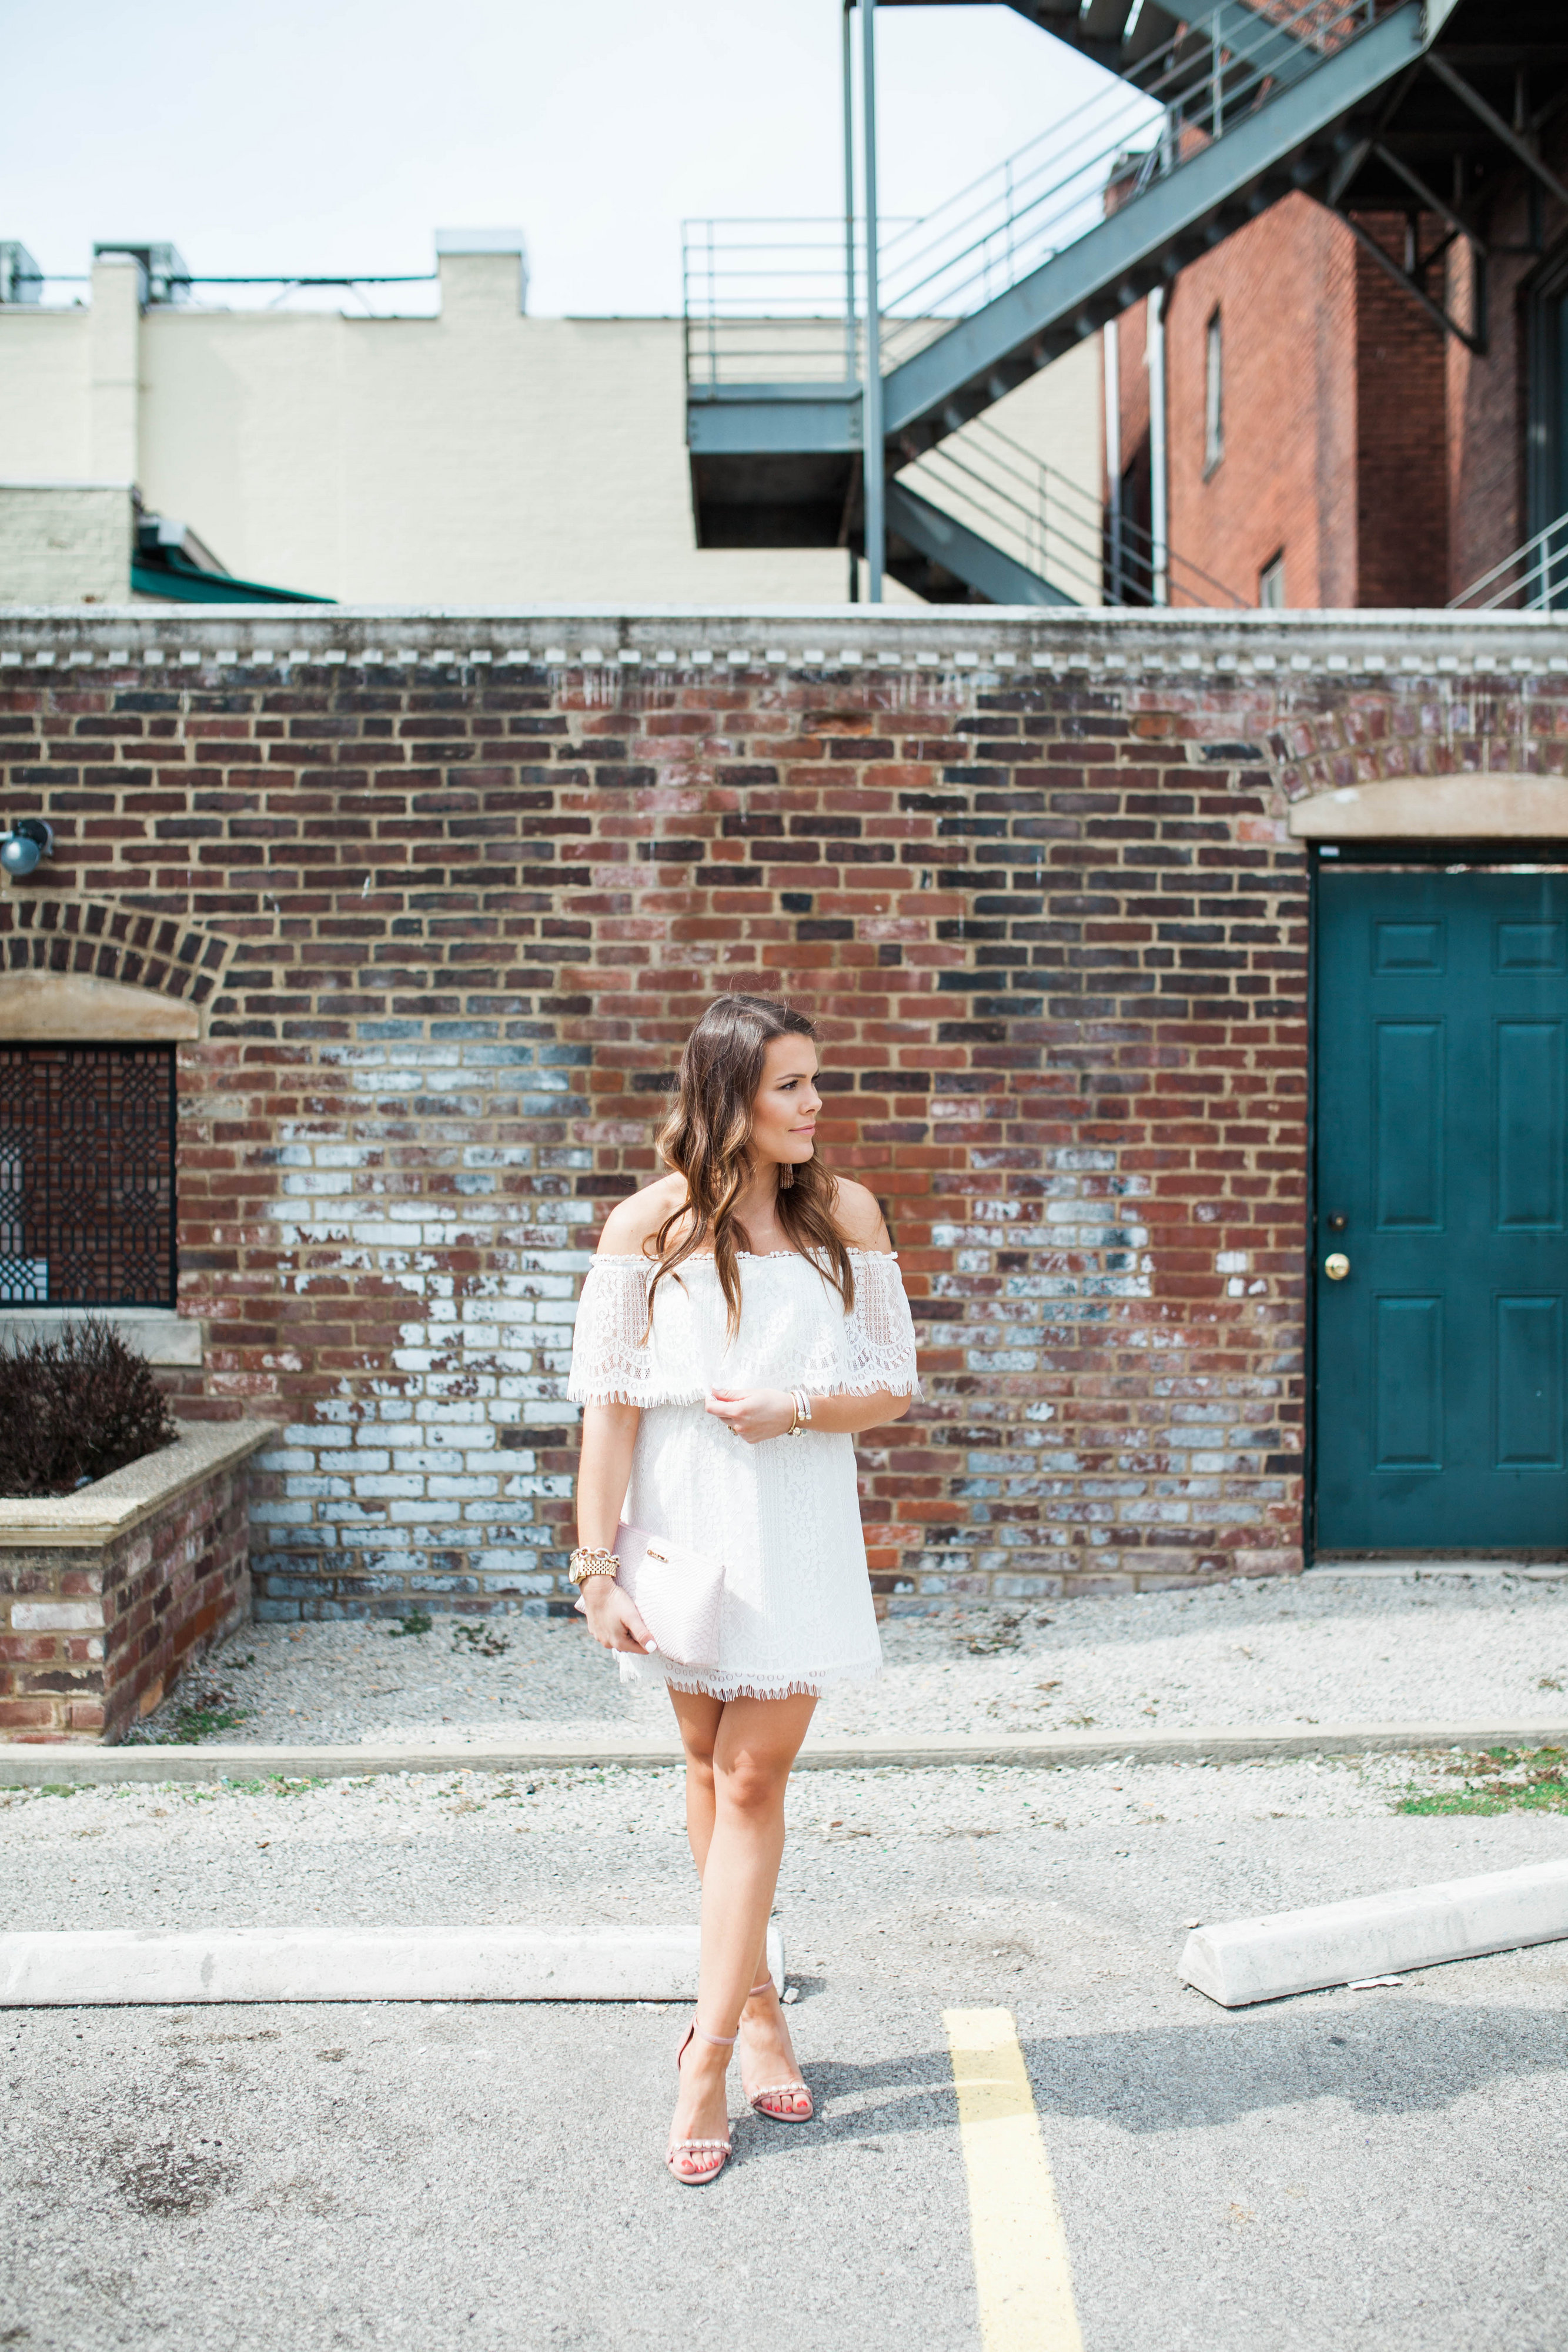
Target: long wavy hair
[{"x": 707, "y": 1138}]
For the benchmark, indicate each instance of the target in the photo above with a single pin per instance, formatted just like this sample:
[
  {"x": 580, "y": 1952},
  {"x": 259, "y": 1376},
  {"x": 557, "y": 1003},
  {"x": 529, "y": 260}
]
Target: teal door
[{"x": 1442, "y": 1171}]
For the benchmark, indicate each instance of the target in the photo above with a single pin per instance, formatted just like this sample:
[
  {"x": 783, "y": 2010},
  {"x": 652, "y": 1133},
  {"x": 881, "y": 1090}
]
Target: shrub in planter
[{"x": 74, "y": 1407}]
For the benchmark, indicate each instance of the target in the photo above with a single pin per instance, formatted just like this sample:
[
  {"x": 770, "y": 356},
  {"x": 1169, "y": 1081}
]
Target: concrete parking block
[
  {"x": 1248, "y": 1960},
  {"x": 119, "y": 1967}
]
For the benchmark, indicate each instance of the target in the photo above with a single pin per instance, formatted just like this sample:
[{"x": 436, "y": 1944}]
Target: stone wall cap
[
  {"x": 1397, "y": 628},
  {"x": 112, "y": 1507},
  {"x": 1470, "y": 806}
]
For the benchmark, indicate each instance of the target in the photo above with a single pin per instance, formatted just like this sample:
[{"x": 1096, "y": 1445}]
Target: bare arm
[
  {"x": 760, "y": 1413},
  {"x": 603, "y": 1473},
  {"x": 608, "y": 1438}
]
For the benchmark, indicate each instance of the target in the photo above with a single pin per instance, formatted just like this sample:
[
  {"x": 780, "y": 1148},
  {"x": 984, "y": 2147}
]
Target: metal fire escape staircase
[{"x": 1211, "y": 118}]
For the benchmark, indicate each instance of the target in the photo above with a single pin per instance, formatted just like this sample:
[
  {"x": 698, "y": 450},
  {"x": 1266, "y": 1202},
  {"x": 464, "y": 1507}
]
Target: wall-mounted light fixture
[{"x": 28, "y": 841}]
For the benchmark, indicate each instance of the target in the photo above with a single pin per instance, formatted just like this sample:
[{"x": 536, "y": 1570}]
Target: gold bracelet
[{"x": 591, "y": 1560}]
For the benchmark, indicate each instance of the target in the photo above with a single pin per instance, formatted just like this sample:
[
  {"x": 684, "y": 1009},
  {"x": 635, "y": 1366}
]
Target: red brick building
[
  {"x": 1330, "y": 441},
  {"x": 408, "y": 916}
]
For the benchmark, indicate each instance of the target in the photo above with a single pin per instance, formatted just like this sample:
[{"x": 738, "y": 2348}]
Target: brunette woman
[{"x": 743, "y": 1320}]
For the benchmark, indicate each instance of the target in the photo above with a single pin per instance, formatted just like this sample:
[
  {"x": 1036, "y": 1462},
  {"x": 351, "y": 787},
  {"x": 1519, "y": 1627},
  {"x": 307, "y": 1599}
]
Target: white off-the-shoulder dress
[{"x": 783, "y": 1516}]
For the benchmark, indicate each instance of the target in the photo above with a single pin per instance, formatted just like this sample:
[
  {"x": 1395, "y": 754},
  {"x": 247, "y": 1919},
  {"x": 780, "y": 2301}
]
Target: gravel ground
[
  {"x": 1321, "y": 1649},
  {"x": 609, "y": 1845}
]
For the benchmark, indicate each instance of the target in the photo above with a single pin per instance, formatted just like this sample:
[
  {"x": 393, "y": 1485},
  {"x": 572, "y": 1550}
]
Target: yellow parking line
[{"x": 1021, "y": 2267}]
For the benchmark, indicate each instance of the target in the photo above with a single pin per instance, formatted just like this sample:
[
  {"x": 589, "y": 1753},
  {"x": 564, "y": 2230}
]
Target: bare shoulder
[
  {"x": 858, "y": 1215},
  {"x": 633, "y": 1223}
]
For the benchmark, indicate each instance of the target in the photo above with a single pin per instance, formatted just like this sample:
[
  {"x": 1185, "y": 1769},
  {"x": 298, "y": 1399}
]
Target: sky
[{"x": 324, "y": 135}]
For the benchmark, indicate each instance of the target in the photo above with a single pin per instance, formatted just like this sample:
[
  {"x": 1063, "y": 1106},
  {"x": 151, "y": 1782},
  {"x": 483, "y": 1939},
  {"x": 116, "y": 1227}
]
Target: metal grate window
[{"x": 86, "y": 1175}]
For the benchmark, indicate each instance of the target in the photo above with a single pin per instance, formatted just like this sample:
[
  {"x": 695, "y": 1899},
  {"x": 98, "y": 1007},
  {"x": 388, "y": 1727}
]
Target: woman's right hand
[{"x": 611, "y": 1618}]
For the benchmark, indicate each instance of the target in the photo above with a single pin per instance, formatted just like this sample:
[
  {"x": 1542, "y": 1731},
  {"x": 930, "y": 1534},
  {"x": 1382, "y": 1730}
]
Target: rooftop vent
[
  {"x": 164, "y": 277},
  {"x": 21, "y": 279}
]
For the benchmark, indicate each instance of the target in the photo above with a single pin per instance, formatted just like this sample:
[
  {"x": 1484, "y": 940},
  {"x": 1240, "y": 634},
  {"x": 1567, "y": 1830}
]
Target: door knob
[{"x": 1336, "y": 1265}]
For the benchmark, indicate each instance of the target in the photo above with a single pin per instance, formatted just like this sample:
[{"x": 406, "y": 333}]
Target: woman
[{"x": 742, "y": 1322}]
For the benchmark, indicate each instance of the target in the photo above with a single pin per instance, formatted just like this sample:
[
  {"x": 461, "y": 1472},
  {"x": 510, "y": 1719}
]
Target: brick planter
[{"x": 104, "y": 1595}]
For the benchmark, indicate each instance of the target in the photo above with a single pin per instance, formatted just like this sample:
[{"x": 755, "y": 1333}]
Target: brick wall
[
  {"x": 1385, "y": 460},
  {"x": 94, "y": 1634},
  {"x": 450, "y": 894},
  {"x": 1285, "y": 289},
  {"x": 1401, "y": 471},
  {"x": 1489, "y": 391}
]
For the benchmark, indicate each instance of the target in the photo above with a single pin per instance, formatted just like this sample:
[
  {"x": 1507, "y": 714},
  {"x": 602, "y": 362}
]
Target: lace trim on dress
[
  {"x": 617, "y": 1360},
  {"x": 611, "y": 1362},
  {"x": 879, "y": 1337},
  {"x": 712, "y": 1682}
]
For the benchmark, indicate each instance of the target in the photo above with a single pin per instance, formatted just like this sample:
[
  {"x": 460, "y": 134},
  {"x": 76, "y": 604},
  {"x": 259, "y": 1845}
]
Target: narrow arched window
[{"x": 1213, "y": 395}]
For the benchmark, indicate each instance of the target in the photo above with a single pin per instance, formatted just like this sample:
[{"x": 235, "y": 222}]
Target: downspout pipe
[
  {"x": 1115, "y": 593},
  {"x": 847, "y": 63},
  {"x": 871, "y": 405},
  {"x": 1159, "y": 490},
  {"x": 852, "y": 353}
]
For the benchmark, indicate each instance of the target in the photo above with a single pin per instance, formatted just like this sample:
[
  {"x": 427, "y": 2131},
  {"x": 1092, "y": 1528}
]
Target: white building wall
[
  {"x": 65, "y": 542},
  {"x": 479, "y": 456},
  {"x": 45, "y": 376}
]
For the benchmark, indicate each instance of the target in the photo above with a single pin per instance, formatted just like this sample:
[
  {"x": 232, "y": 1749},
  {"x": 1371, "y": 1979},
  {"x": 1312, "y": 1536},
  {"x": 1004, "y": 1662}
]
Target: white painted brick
[{"x": 54, "y": 1616}]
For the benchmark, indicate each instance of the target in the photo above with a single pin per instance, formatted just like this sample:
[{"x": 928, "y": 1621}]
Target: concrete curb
[
  {"x": 126, "y": 1967},
  {"x": 1248, "y": 1960},
  {"x": 57, "y": 1764}
]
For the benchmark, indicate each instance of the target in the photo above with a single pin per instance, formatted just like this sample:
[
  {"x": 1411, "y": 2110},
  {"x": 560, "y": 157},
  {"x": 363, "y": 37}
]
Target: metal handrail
[
  {"x": 1048, "y": 522},
  {"x": 1533, "y": 579},
  {"x": 1009, "y": 220},
  {"x": 1013, "y": 218}
]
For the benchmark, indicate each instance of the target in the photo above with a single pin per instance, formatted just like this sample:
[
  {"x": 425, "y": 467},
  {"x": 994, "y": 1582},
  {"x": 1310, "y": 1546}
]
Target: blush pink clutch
[{"x": 677, "y": 1592}]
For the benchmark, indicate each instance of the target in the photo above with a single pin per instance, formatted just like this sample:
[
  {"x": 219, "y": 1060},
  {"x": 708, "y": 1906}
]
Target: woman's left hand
[{"x": 755, "y": 1414}]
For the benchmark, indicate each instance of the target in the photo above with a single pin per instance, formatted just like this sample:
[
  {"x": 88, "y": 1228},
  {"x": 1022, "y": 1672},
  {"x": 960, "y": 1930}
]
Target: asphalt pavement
[{"x": 1384, "y": 2167}]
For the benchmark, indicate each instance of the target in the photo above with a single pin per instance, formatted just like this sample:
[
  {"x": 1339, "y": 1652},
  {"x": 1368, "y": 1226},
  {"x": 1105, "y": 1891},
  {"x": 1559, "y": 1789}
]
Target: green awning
[{"x": 167, "y": 572}]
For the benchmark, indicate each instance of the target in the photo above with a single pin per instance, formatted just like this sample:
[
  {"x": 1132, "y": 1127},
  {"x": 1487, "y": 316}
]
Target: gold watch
[{"x": 591, "y": 1560}]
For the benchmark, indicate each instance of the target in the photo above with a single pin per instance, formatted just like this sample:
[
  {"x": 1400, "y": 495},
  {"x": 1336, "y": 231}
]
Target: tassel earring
[{"x": 786, "y": 1175}]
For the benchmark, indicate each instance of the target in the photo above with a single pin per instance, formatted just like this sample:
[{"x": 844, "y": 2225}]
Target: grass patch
[
  {"x": 205, "y": 1708},
  {"x": 415, "y": 1621},
  {"x": 193, "y": 1724},
  {"x": 478, "y": 1639},
  {"x": 1499, "y": 1781}
]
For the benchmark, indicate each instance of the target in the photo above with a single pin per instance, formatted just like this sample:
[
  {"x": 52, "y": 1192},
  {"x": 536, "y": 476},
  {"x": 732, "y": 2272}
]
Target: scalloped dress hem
[{"x": 714, "y": 1681}]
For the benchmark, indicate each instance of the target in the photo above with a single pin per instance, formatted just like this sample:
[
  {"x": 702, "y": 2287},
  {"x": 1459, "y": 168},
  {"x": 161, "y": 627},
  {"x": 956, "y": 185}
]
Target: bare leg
[
  {"x": 698, "y": 1717},
  {"x": 749, "y": 1753},
  {"x": 767, "y": 2054}
]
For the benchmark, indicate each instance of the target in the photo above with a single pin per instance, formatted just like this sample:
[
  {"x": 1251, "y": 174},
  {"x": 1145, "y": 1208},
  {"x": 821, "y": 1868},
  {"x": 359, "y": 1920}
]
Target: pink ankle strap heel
[
  {"x": 721, "y": 2148},
  {"x": 794, "y": 2090}
]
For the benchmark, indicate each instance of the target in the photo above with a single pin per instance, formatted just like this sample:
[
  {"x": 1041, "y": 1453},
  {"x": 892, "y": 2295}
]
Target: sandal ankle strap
[{"x": 722, "y": 2040}]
